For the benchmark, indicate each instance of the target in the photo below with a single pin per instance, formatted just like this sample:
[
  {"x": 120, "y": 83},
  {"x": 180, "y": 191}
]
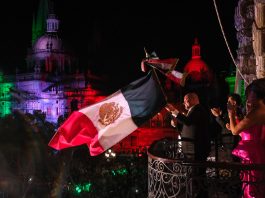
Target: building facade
[{"x": 249, "y": 23}]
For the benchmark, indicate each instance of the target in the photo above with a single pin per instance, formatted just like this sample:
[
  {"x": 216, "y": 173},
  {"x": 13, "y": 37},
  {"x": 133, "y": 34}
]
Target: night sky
[{"x": 109, "y": 38}]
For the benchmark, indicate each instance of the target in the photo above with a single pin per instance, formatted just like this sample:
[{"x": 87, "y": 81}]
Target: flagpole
[
  {"x": 147, "y": 56},
  {"x": 159, "y": 83},
  {"x": 155, "y": 68}
]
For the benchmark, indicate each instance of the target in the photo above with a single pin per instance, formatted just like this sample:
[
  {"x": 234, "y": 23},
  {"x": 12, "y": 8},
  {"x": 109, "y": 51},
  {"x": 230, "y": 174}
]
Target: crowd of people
[{"x": 245, "y": 123}]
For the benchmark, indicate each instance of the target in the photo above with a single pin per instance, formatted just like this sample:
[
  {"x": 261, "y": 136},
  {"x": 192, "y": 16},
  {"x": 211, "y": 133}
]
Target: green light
[
  {"x": 78, "y": 189},
  {"x": 39, "y": 21},
  {"x": 5, "y": 108},
  {"x": 5, "y": 97},
  {"x": 231, "y": 80},
  {"x": 122, "y": 171},
  {"x": 87, "y": 187},
  {"x": 113, "y": 172}
]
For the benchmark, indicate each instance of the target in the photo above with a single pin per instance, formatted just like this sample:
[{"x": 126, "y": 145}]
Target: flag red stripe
[
  {"x": 77, "y": 130},
  {"x": 174, "y": 78}
]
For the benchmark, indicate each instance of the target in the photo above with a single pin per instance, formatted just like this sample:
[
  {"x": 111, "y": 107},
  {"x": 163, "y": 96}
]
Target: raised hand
[
  {"x": 172, "y": 109},
  {"x": 216, "y": 111}
]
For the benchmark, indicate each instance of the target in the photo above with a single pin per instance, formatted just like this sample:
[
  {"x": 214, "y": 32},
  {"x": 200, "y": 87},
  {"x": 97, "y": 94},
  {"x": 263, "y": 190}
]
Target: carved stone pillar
[
  {"x": 258, "y": 31},
  {"x": 246, "y": 60}
]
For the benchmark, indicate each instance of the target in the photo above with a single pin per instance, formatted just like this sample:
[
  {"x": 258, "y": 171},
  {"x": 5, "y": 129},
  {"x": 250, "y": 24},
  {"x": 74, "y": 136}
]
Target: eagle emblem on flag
[{"x": 109, "y": 112}]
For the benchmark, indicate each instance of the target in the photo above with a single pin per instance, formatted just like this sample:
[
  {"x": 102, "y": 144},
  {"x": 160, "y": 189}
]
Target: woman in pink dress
[{"x": 251, "y": 148}]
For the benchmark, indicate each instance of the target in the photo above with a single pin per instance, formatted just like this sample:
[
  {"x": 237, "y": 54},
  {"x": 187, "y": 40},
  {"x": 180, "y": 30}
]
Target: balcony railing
[{"x": 170, "y": 175}]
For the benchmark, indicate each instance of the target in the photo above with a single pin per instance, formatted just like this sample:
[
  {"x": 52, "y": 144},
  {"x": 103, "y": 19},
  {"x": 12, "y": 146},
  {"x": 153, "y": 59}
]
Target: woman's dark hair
[
  {"x": 258, "y": 87},
  {"x": 236, "y": 97}
]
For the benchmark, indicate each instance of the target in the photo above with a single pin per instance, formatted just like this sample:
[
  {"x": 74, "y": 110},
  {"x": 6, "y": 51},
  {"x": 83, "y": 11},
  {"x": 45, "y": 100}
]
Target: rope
[{"x": 220, "y": 23}]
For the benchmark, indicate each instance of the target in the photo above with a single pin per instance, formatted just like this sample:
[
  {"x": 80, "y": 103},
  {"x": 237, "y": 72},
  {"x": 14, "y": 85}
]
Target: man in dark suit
[{"x": 195, "y": 133}]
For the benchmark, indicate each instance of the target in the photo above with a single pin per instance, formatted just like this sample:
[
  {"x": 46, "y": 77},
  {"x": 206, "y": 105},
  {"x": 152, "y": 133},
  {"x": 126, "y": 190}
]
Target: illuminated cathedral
[{"x": 52, "y": 83}]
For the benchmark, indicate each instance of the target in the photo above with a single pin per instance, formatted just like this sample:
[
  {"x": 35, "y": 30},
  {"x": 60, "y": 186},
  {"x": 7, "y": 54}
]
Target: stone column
[
  {"x": 258, "y": 31},
  {"x": 244, "y": 17}
]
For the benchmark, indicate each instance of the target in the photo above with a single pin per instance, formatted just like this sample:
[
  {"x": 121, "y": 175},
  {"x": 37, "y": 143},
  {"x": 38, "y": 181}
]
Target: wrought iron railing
[{"x": 170, "y": 175}]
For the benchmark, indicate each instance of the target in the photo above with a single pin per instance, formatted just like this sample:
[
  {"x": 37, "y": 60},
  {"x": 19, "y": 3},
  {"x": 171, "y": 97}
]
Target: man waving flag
[{"x": 107, "y": 122}]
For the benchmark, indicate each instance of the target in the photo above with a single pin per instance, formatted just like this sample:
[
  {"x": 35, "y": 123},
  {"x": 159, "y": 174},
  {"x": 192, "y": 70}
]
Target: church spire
[
  {"x": 52, "y": 22},
  {"x": 196, "y": 49}
]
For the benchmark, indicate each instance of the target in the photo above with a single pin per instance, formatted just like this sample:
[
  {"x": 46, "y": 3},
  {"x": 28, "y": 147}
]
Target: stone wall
[{"x": 250, "y": 26}]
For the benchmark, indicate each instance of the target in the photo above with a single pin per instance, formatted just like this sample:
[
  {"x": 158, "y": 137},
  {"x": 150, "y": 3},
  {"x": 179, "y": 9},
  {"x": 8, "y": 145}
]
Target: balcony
[{"x": 170, "y": 175}]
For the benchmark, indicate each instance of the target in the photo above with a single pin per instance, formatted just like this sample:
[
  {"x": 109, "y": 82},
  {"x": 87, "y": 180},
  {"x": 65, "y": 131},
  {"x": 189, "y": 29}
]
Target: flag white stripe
[
  {"x": 177, "y": 74},
  {"x": 119, "y": 129}
]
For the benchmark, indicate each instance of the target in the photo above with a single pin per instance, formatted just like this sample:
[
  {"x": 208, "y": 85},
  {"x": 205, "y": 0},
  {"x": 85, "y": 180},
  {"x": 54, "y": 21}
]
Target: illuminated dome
[
  {"x": 196, "y": 67},
  {"x": 48, "y": 42},
  {"x": 49, "y": 53}
]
